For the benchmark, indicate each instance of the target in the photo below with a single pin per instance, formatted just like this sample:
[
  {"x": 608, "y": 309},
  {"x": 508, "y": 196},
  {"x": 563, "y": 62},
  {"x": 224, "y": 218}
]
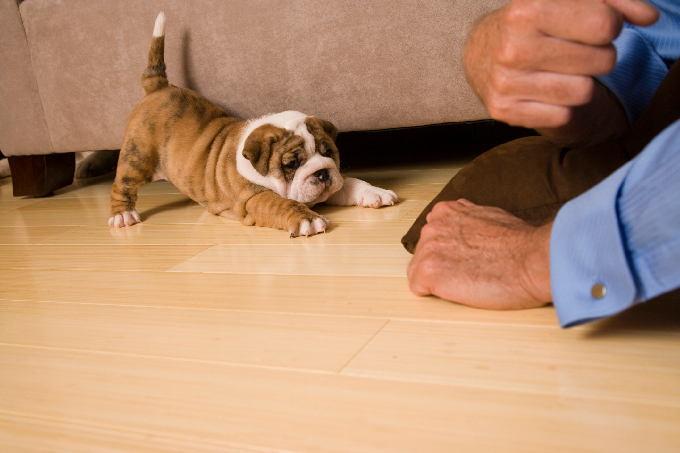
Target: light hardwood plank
[
  {"x": 103, "y": 204},
  {"x": 28, "y": 219},
  {"x": 396, "y": 178},
  {"x": 188, "y": 214},
  {"x": 23, "y": 434},
  {"x": 359, "y": 214},
  {"x": 6, "y": 189},
  {"x": 413, "y": 214},
  {"x": 261, "y": 339},
  {"x": 569, "y": 363},
  {"x": 116, "y": 258},
  {"x": 301, "y": 257},
  {"x": 287, "y": 410},
  {"x": 8, "y": 203},
  {"x": 425, "y": 192},
  {"x": 321, "y": 295},
  {"x": 93, "y": 211},
  {"x": 30, "y": 235},
  {"x": 101, "y": 187},
  {"x": 348, "y": 233}
]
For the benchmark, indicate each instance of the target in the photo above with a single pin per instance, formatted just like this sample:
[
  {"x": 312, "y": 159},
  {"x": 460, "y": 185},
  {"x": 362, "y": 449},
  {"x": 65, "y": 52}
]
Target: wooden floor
[{"x": 191, "y": 333}]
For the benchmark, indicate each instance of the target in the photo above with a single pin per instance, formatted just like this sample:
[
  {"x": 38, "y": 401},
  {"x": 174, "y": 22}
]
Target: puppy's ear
[
  {"x": 330, "y": 129},
  {"x": 258, "y": 147},
  {"x": 327, "y": 126}
]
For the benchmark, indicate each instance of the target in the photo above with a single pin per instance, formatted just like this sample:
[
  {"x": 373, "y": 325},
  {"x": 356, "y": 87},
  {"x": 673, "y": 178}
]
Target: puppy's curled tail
[{"x": 154, "y": 77}]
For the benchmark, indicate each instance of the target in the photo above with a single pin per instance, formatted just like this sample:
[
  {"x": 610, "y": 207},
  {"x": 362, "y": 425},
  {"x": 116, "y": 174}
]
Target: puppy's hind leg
[{"x": 135, "y": 170}]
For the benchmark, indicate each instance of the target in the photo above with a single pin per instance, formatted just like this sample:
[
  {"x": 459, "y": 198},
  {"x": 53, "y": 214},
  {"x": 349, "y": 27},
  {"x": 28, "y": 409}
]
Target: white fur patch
[
  {"x": 307, "y": 228},
  {"x": 127, "y": 218},
  {"x": 356, "y": 192},
  {"x": 159, "y": 28}
]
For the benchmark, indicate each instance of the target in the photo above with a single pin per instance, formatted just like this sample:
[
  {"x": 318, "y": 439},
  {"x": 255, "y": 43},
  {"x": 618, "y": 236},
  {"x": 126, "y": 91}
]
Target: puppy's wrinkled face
[{"x": 292, "y": 154}]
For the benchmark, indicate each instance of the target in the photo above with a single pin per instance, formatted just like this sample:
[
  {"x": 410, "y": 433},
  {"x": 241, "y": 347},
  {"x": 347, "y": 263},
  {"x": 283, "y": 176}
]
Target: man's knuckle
[
  {"x": 427, "y": 231},
  {"x": 414, "y": 282},
  {"x": 412, "y": 268},
  {"x": 429, "y": 247},
  {"x": 440, "y": 208},
  {"x": 499, "y": 108},
  {"x": 418, "y": 288},
  {"x": 607, "y": 23},
  {"x": 607, "y": 60},
  {"x": 560, "y": 117},
  {"x": 510, "y": 53},
  {"x": 428, "y": 269},
  {"x": 583, "y": 91},
  {"x": 420, "y": 275},
  {"x": 521, "y": 13},
  {"x": 501, "y": 83},
  {"x": 436, "y": 209}
]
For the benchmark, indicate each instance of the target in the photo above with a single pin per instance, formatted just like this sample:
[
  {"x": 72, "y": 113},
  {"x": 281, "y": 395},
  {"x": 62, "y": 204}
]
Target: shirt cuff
[
  {"x": 638, "y": 73},
  {"x": 589, "y": 271}
]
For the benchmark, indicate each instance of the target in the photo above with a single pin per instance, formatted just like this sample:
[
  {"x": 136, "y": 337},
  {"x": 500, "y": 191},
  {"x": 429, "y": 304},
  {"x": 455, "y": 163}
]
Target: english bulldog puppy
[{"x": 267, "y": 171}]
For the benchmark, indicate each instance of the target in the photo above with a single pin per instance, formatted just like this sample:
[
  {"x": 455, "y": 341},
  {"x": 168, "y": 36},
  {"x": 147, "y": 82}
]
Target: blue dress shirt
[
  {"x": 644, "y": 55},
  {"x": 619, "y": 243}
]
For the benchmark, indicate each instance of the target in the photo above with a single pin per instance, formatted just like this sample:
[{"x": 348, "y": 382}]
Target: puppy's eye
[
  {"x": 326, "y": 151},
  {"x": 291, "y": 164}
]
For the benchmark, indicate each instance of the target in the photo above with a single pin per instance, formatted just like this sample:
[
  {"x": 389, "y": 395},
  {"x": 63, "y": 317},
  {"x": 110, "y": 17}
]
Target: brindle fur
[{"x": 176, "y": 134}]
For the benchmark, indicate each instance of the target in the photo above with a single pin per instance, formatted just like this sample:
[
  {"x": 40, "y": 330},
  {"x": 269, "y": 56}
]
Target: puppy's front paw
[
  {"x": 309, "y": 228},
  {"x": 375, "y": 197},
  {"x": 126, "y": 218}
]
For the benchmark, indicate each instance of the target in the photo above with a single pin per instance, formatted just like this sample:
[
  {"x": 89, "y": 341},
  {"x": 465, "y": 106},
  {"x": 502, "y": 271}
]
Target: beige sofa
[{"x": 71, "y": 68}]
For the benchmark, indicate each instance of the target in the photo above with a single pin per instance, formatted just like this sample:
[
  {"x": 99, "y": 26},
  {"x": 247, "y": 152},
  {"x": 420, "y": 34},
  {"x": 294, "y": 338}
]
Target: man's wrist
[{"x": 537, "y": 265}]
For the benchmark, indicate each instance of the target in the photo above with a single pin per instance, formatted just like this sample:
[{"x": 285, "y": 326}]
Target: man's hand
[
  {"x": 533, "y": 61},
  {"x": 483, "y": 257}
]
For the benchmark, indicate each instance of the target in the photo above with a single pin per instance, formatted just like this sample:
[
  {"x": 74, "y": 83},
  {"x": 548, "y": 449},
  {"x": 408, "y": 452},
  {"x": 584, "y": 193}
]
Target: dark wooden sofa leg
[{"x": 40, "y": 176}]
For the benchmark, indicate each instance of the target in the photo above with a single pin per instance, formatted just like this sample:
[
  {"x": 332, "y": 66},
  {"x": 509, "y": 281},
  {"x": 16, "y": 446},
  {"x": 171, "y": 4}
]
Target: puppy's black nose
[{"x": 322, "y": 175}]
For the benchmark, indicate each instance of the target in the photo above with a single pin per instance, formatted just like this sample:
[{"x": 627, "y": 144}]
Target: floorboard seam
[{"x": 364, "y": 346}]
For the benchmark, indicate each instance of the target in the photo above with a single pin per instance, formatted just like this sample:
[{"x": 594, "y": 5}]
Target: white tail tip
[{"x": 159, "y": 28}]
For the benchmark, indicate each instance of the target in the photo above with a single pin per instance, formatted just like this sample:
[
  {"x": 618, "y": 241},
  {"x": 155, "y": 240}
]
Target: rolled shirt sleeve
[
  {"x": 644, "y": 55},
  {"x": 619, "y": 243}
]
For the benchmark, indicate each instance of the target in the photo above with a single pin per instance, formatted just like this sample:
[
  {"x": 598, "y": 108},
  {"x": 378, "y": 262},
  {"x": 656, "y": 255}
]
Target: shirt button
[{"x": 598, "y": 291}]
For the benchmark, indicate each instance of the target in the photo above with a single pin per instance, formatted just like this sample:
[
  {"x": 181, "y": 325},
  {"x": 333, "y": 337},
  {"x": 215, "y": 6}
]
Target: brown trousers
[{"x": 532, "y": 178}]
